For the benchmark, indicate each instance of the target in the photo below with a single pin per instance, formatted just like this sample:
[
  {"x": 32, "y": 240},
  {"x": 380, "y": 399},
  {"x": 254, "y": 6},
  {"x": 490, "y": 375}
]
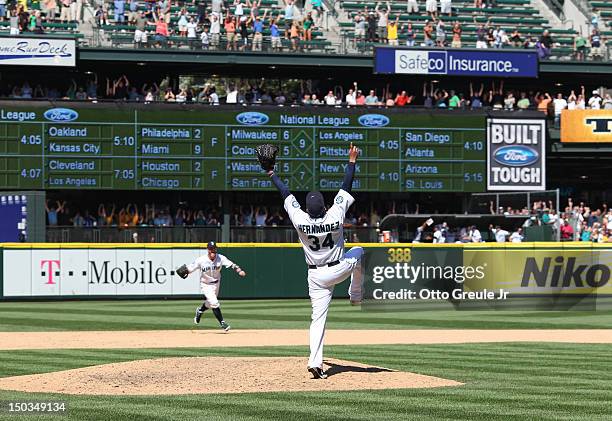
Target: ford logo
[
  {"x": 252, "y": 118},
  {"x": 373, "y": 120},
  {"x": 516, "y": 156},
  {"x": 61, "y": 114}
]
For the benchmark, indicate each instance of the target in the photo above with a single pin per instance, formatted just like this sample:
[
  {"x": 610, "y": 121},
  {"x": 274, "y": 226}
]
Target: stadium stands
[
  {"x": 517, "y": 23},
  {"x": 509, "y": 15}
]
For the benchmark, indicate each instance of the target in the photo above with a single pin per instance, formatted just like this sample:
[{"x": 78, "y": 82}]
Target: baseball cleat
[
  {"x": 355, "y": 302},
  {"x": 198, "y": 315},
  {"x": 317, "y": 373},
  {"x": 225, "y": 326}
]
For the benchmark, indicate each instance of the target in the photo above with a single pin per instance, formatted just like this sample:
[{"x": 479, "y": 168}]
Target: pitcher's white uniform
[
  {"x": 323, "y": 243},
  {"x": 210, "y": 276}
]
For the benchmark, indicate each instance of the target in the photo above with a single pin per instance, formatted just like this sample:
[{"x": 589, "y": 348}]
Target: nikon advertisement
[{"x": 471, "y": 278}]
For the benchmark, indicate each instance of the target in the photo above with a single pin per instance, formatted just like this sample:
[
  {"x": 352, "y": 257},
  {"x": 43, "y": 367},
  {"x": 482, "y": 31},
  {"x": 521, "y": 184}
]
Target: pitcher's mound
[{"x": 177, "y": 376}]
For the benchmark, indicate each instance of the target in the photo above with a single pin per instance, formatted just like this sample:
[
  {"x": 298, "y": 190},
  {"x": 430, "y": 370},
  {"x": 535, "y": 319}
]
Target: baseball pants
[
  {"x": 321, "y": 282},
  {"x": 210, "y": 291}
]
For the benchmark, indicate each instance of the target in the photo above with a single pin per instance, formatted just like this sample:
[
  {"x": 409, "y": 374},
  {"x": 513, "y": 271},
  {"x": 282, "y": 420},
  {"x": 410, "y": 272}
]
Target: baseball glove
[
  {"x": 183, "y": 272},
  {"x": 266, "y": 155}
]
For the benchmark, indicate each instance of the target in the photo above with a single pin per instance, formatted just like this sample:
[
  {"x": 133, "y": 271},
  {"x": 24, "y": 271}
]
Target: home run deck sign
[{"x": 516, "y": 158}]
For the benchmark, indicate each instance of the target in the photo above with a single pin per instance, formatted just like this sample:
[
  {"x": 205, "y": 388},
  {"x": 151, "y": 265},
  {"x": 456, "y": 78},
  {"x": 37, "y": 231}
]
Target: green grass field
[
  {"x": 502, "y": 381},
  {"x": 273, "y": 314}
]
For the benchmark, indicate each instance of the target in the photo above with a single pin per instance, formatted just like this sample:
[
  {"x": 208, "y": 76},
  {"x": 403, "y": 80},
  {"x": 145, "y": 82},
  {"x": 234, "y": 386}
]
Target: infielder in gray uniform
[
  {"x": 321, "y": 233},
  {"x": 210, "y": 281}
]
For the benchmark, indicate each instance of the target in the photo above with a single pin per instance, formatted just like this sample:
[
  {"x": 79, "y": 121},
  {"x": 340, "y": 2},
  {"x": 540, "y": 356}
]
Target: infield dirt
[{"x": 204, "y": 375}]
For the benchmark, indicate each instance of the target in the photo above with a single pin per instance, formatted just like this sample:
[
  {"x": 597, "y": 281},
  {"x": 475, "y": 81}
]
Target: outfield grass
[
  {"x": 272, "y": 314},
  {"x": 502, "y": 381},
  {"x": 530, "y": 381}
]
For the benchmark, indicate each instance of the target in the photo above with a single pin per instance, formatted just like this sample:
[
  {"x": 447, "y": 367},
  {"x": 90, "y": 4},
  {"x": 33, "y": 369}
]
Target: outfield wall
[{"x": 82, "y": 270}]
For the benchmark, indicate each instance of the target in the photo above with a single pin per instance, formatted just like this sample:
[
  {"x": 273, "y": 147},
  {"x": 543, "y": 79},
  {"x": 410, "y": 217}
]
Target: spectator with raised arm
[
  {"x": 161, "y": 30},
  {"x": 275, "y": 37},
  {"x": 392, "y": 34},
  {"x": 351, "y": 96},
  {"x": 215, "y": 30},
  {"x": 383, "y": 19},
  {"x": 289, "y": 16},
  {"x": 258, "y": 28},
  {"x": 476, "y": 96}
]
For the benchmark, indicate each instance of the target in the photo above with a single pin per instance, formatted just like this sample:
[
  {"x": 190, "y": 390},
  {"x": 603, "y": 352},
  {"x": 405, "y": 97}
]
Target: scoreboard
[{"x": 184, "y": 147}]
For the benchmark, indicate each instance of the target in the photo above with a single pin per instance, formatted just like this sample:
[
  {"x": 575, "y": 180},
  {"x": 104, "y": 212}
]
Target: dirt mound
[{"x": 205, "y": 375}]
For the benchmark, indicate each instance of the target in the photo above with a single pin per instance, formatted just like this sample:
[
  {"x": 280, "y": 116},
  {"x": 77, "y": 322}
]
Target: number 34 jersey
[{"x": 322, "y": 238}]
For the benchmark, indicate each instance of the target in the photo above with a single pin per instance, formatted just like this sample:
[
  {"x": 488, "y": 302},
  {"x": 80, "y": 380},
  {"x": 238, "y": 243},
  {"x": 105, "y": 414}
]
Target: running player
[{"x": 210, "y": 281}]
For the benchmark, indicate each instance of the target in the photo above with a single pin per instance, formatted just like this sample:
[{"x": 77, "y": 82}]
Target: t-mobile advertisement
[{"x": 30, "y": 272}]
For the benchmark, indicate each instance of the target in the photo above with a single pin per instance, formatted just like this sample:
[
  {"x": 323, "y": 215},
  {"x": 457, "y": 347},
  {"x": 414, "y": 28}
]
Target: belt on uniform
[
  {"x": 210, "y": 283},
  {"x": 329, "y": 265}
]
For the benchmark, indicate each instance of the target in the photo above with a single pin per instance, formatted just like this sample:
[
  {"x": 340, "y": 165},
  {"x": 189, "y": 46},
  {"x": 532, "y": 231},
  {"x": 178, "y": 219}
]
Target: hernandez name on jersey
[{"x": 322, "y": 238}]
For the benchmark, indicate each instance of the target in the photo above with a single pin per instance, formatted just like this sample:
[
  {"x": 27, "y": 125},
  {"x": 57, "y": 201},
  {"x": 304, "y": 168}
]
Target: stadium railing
[{"x": 70, "y": 234}]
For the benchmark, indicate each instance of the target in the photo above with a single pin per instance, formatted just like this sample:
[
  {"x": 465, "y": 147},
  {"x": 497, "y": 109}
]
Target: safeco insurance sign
[
  {"x": 516, "y": 158},
  {"x": 456, "y": 62}
]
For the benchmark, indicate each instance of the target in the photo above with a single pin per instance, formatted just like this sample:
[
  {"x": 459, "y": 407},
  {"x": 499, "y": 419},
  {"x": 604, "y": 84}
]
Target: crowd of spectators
[
  {"x": 583, "y": 223},
  {"x": 378, "y": 25},
  {"x": 432, "y": 95},
  {"x": 245, "y": 25},
  {"x": 295, "y": 21},
  {"x": 576, "y": 222},
  {"x": 21, "y": 13},
  {"x": 60, "y": 213},
  {"x": 554, "y": 106},
  {"x": 205, "y": 27},
  {"x": 441, "y": 232},
  {"x": 435, "y": 96},
  {"x": 23, "y": 20}
]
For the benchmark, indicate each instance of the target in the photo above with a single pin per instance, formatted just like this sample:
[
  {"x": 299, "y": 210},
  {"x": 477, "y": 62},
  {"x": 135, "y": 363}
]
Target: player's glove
[
  {"x": 266, "y": 155},
  {"x": 183, "y": 272}
]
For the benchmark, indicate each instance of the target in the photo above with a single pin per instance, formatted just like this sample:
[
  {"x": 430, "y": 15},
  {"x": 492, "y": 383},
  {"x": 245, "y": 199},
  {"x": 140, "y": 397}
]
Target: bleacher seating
[
  {"x": 605, "y": 10},
  {"x": 122, "y": 34},
  {"x": 52, "y": 30},
  {"x": 507, "y": 14}
]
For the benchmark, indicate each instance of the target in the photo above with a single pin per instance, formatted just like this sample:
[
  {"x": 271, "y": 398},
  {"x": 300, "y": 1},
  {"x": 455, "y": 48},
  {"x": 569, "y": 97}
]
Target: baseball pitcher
[
  {"x": 321, "y": 233},
  {"x": 210, "y": 281}
]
